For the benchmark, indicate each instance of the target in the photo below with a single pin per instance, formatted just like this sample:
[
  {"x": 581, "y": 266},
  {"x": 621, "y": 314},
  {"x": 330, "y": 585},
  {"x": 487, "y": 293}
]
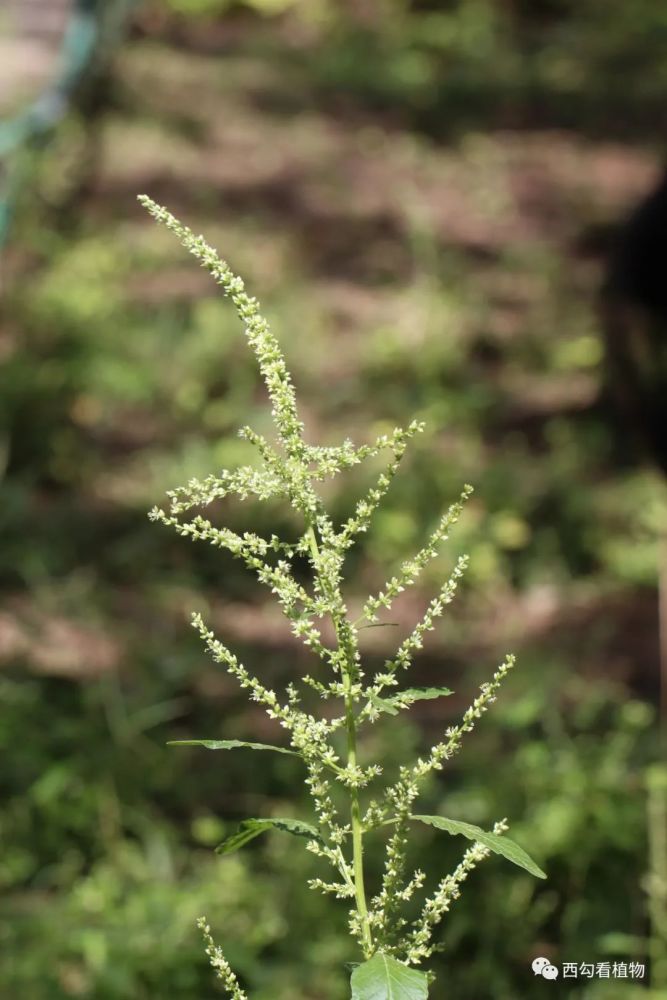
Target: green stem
[
  {"x": 355, "y": 810},
  {"x": 357, "y": 831}
]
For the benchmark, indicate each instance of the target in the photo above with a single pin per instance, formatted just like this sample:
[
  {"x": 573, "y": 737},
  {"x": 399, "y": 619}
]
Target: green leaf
[
  {"x": 251, "y": 828},
  {"x": 230, "y": 745},
  {"x": 403, "y": 699},
  {"x": 419, "y": 694},
  {"x": 383, "y": 704},
  {"x": 385, "y": 978},
  {"x": 499, "y": 845}
]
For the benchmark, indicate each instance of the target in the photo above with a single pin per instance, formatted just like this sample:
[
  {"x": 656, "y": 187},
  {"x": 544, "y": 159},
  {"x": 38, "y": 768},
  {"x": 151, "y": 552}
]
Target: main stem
[
  {"x": 355, "y": 809},
  {"x": 355, "y": 818}
]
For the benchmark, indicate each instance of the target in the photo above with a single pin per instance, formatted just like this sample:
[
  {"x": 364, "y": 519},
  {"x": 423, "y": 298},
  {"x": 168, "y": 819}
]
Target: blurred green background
[{"x": 416, "y": 191}]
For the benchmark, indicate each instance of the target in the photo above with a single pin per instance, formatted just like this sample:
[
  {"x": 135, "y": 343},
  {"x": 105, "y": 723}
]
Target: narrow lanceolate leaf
[
  {"x": 499, "y": 845},
  {"x": 410, "y": 695},
  {"x": 251, "y": 828},
  {"x": 403, "y": 699},
  {"x": 385, "y": 978},
  {"x": 230, "y": 745}
]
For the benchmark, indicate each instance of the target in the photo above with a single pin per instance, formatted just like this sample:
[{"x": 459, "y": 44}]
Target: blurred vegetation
[{"x": 410, "y": 189}]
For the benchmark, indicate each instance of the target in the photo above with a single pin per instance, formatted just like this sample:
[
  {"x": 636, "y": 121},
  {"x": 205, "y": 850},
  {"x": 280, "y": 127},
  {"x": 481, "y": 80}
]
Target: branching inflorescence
[{"x": 290, "y": 470}]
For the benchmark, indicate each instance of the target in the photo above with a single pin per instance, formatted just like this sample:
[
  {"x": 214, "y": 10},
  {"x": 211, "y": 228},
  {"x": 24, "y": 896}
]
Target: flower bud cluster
[
  {"x": 220, "y": 964},
  {"x": 411, "y": 569},
  {"x": 448, "y": 890}
]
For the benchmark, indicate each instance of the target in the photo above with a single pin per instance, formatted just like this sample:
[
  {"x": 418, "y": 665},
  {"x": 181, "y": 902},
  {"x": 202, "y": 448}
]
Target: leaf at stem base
[{"x": 385, "y": 978}]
